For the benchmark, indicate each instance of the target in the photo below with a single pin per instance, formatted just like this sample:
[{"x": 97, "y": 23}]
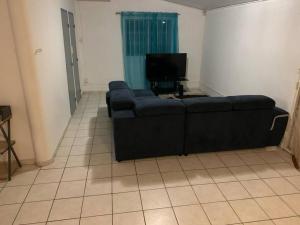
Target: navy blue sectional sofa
[{"x": 146, "y": 126}]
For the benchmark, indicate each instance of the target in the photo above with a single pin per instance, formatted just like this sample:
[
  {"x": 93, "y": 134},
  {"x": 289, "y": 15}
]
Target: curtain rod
[{"x": 118, "y": 13}]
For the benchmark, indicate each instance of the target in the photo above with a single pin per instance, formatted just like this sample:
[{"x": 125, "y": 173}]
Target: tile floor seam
[
  {"x": 255, "y": 201},
  {"x": 86, "y": 178},
  {"x": 25, "y": 197},
  {"x": 200, "y": 206},
  {"x": 288, "y": 205},
  {"x": 61, "y": 178},
  {"x": 278, "y": 195},
  {"x": 171, "y": 206},
  {"x": 275, "y": 195},
  {"x": 225, "y": 196},
  {"x": 227, "y": 201},
  {"x": 139, "y": 190},
  {"x": 112, "y": 189}
]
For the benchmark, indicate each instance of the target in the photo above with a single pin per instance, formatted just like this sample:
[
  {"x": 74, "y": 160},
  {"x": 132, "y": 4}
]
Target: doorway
[{"x": 68, "y": 26}]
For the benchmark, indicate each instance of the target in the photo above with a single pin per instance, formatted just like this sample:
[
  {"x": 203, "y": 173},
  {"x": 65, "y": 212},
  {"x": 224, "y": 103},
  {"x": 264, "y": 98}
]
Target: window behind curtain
[{"x": 143, "y": 33}]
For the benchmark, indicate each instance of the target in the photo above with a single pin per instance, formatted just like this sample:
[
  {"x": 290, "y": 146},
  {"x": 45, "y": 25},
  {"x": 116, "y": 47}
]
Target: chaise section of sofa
[{"x": 234, "y": 122}]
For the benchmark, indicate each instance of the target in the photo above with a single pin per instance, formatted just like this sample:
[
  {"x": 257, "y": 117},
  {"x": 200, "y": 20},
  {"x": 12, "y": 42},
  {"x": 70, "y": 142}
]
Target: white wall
[
  {"x": 38, "y": 26},
  {"x": 11, "y": 88},
  {"x": 253, "y": 49},
  {"x": 100, "y": 41}
]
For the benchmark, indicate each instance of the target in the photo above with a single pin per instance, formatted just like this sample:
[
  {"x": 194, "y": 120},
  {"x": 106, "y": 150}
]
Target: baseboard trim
[
  {"x": 48, "y": 162},
  {"x": 61, "y": 138},
  {"x": 45, "y": 163},
  {"x": 210, "y": 91},
  {"x": 98, "y": 87},
  {"x": 28, "y": 161}
]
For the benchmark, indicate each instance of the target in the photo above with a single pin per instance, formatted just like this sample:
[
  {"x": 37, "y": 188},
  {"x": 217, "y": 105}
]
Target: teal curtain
[{"x": 143, "y": 33}]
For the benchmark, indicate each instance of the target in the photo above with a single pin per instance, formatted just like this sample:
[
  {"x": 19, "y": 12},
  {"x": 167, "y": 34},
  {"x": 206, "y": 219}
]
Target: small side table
[{"x": 7, "y": 144}]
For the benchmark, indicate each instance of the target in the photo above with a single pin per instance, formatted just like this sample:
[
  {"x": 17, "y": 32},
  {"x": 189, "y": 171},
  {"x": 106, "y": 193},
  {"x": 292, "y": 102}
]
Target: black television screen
[{"x": 166, "y": 66}]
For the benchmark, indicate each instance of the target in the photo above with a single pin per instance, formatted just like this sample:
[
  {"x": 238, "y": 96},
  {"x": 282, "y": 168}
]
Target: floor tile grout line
[
  {"x": 202, "y": 184},
  {"x": 216, "y": 184},
  {"x": 156, "y": 188},
  {"x": 280, "y": 197},
  {"x": 246, "y": 190},
  {"x": 111, "y": 172},
  {"x": 252, "y": 198},
  {"x": 86, "y": 179},
  {"x": 166, "y": 190},
  {"x": 23, "y": 202},
  {"x": 140, "y": 194},
  {"x": 295, "y": 216},
  {"x": 203, "y": 169},
  {"x": 198, "y": 200},
  {"x": 61, "y": 178},
  {"x": 268, "y": 185}
]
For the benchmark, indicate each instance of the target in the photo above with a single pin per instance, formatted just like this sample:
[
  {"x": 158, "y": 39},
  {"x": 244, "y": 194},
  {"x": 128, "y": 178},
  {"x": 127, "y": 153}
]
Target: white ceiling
[
  {"x": 95, "y": 0},
  {"x": 201, "y": 4},
  {"x": 209, "y": 4}
]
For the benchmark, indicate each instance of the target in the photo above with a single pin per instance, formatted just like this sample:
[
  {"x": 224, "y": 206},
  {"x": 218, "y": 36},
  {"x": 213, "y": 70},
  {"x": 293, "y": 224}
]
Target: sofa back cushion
[
  {"x": 157, "y": 107},
  {"x": 207, "y": 104},
  {"x": 116, "y": 85},
  {"x": 143, "y": 93},
  {"x": 121, "y": 99},
  {"x": 251, "y": 102}
]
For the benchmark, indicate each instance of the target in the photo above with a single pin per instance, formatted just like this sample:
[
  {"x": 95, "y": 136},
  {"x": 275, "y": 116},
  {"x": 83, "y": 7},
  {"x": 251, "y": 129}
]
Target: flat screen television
[{"x": 166, "y": 67}]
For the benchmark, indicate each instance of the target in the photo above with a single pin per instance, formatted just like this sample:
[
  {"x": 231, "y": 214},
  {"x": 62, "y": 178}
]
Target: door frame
[
  {"x": 287, "y": 141},
  {"x": 74, "y": 52},
  {"x": 72, "y": 46},
  {"x": 69, "y": 60}
]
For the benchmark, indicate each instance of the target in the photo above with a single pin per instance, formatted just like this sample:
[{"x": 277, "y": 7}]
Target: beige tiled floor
[{"x": 86, "y": 186}]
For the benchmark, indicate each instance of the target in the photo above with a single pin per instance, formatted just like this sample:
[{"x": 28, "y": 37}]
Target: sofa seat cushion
[
  {"x": 207, "y": 104},
  {"x": 121, "y": 99},
  {"x": 142, "y": 93},
  {"x": 116, "y": 85},
  {"x": 157, "y": 106},
  {"x": 251, "y": 102}
]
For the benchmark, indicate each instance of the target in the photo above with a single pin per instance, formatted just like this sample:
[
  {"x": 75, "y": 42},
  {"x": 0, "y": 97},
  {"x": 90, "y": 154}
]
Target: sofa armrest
[
  {"x": 123, "y": 114},
  {"x": 279, "y": 114},
  {"x": 121, "y": 99},
  {"x": 278, "y": 126},
  {"x": 157, "y": 106}
]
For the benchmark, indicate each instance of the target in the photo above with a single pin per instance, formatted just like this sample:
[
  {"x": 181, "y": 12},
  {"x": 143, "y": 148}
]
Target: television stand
[{"x": 167, "y": 87}]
